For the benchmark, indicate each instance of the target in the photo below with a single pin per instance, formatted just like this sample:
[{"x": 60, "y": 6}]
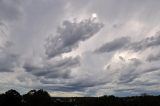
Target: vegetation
[{"x": 42, "y": 98}]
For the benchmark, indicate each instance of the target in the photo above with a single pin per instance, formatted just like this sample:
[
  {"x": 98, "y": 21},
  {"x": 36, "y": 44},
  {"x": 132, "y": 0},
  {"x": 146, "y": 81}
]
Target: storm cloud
[
  {"x": 114, "y": 45},
  {"x": 70, "y": 34},
  {"x": 52, "y": 68},
  {"x": 124, "y": 43}
]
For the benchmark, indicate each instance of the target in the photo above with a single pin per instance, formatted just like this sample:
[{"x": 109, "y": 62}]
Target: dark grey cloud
[
  {"x": 63, "y": 88},
  {"x": 145, "y": 83},
  {"x": 53, "y": 69},
  {"x": 80, "y": 85},
  {"x": 129, "y": 73},
  {"x": 145, "y": 43},
  {"x": 10, "y": 10},
  {"x": 8, "y": 62},
  {"x": 124, "y": 43},
  {"x": 113, "y": 45},
  {"x": 4, "y": 42},
  {"x": 85, "y": 84},
  {"x": 70, "y": 34},
  {"x": 124, "y": 90},
  {"x": 128, "y": 77},
  {"x": 136, "y": 71},
  {"x": 153, "y": 57},
  {"x": 139, "y": 85},
  {"x": 135, "y": 92}
]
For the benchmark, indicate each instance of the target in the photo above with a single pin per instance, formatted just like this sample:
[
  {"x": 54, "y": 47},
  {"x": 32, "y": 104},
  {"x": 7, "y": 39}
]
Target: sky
[{"x": 80, "y": 47}]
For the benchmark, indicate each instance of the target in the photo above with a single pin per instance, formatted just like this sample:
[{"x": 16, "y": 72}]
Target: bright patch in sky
[{"x": 94, "y": 15}]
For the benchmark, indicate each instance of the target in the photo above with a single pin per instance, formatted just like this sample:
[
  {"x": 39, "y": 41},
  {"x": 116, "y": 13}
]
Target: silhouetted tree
[
  {"x": 37, "y": 98},
  {"x": 11, "y": 98}
]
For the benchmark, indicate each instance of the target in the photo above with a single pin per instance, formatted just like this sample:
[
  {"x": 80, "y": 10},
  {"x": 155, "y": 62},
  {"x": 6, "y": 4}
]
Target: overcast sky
[{"x": 80, "y": 47}]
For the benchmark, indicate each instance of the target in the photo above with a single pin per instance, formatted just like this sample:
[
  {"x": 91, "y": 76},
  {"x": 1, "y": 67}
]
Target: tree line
[{"x": 42, "y": 98}]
